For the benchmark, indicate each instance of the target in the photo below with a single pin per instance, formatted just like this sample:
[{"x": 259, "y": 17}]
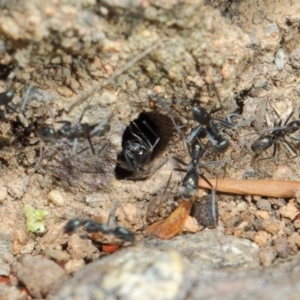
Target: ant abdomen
[
  {"x": 201, "y": 115},
  {"x": 261, "y": 144}
]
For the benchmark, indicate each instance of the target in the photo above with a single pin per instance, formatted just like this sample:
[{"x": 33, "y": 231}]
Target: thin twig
[
  {"x": 113, "y": 76},
  {"x": 267, "y": 188}
]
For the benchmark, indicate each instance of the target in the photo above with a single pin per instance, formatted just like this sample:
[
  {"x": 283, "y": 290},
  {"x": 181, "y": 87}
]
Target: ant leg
[
  {"x": 180, "y": 161},
  {"x": 25, "y": 99},
  {"x": 214, "y": 209},
  {"x": 294, "y": 138},
  {"x": 111, "y": 222},
  {"x": 100, "y": 129},
  {"x": 152, "y": 131},
  {"x": 224, "y": 123},
  {"x": 156, "y": 203},
  {"x": 288, "y": 117},
  {"x": 273, "y": 154},
  {"x": 206, "y": 180},
  {"x": 182, "y": 135},
  {"x": 218, "y": 97},
  {"x": 89, "y": 140},
  {"x": 145, "y": 140},
  {"x": 291, "y": 148},
  {"x": 75, "y": 143},
  {"x": 82, "y": 114}
]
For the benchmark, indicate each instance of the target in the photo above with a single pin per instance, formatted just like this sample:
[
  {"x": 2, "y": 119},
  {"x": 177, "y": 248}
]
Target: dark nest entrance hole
[{"x": 160, "y": 126}]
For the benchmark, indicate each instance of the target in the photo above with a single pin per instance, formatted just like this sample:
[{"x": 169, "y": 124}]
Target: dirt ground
[{"x": 119, "y": 61}]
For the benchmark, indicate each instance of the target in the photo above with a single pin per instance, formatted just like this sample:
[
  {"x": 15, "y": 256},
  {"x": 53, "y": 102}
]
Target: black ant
[
  {"x": 214, "y": 134},
  {"x": 92, "y": 226},
  {"x": 80, "y": 130},
  {"x": 189, "y": 185},
  {"x": 138, "y": 152},
  {"x": 139, "y": 142},
  {"x": 265, "y": 141},
  {"x": 6, "y": 97},
  {"x": 5, "y": 70},
  {"x": 110, "y": 227}
]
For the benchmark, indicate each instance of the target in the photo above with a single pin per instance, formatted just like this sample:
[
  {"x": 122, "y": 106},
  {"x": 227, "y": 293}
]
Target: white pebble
[
  {"x": 56, "y": 197},
  {"x": 74, "y": 265},
  {"x": 279, "y": 59}
]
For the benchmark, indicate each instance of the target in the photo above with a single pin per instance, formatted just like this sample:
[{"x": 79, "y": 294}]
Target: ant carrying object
[
  {"x": 266, "y": 140},
  {"x": 189, "y": 185},
  {"x": 109, "y": 228},
  {"x": 92, "y": 226}
]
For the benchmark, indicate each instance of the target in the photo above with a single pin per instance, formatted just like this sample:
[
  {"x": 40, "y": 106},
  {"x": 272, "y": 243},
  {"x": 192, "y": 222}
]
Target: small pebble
[
  {"x": 4, "y": 269},
  {"x": 74, "y": 265},
  {"x": 295, "y": 58},
  {"x": 270, "y": 226},
  {"x": 263, "y": 204},
  {"x": 191, "y": 225},
  {"x": 65, "y": 91},
  {"x": 262, "y": 214},
  {"x": 282, "y": 248},
  {"x": 28, "y": 248},
  {"x": 271, "y": 28},
  {"x": 80, "y": 248},
  {"x": 288, "y": 230},
  {"x": 297, "y": 195},
  {"x": 56, "y": 197},
  {"x": 279, "y": 59},
  {"x": 242, "y": 206},
  {"x": 57, "y": 255},
  {"x": 262, "y": 238},
  {"x": 8, "y": 257},
  {"x": 294, "y": 241},
  {"x": 56, "y": 60},
  {"x": 128, "y": 212},
  {"x": 267, "y": 256},
  {"x": 289, "y": 211},
  {"x": 297, "y": 223}
]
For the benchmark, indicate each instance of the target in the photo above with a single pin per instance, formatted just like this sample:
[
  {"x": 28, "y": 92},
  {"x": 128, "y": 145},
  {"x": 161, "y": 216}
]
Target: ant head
[
  {"x": 47, "y": 134},
  {"x": 201, "y": 115},
  {"x": 6, "y": 97},
  {"x": 72, "y": 225},
  {"x": 293, "y": 126}
]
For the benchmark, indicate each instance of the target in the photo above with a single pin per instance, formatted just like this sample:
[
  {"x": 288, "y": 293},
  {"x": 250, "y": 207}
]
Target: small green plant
[{"x": 35, "y": 219}]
